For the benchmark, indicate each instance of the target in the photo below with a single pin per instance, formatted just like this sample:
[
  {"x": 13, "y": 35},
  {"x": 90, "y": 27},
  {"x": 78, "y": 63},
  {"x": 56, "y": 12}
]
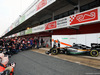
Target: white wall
[
  {"x": 91, "y": 38},
  {"x": 85, "y": 39},
  {"x": 62, "y": 38}
]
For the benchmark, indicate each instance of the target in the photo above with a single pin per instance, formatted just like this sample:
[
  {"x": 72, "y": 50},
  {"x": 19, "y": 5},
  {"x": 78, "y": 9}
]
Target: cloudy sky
[{"x": 10, "y": 11}]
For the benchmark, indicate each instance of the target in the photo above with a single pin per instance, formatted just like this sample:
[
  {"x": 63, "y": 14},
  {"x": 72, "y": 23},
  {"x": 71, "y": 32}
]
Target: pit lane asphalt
[{"x": 32, "y": 63}]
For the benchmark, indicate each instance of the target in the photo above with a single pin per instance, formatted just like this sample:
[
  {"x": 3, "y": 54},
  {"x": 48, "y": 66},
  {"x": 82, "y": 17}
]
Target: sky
[{"x": 10, "y": 11}]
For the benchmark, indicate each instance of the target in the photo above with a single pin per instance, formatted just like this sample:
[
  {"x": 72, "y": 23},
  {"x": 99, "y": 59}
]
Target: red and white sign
[
  {"x": 87, "y": 16},
  {"x": 11, "y": 27},
  {"x": 41, "y": 4},
  {"x": 51, "y": 25}
]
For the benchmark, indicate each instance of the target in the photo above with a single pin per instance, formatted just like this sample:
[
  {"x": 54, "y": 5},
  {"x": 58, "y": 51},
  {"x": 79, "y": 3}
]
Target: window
[
  {"x": 56, "y": 17},
  {"x": 41, "y": 22},
  {"x": 65, "y": 14},
  {"x": 93, "y": 4},
  {"x": 71, "y": 12},
  {"x": 85, "y": 7},
  {"x": 50, "y": 19},
  {"x": 61, "y": 16}
]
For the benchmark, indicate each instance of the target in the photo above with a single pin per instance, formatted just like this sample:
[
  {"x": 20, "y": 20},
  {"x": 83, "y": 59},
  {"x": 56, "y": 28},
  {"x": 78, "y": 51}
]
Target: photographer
[{"x": 3, "y": 65}]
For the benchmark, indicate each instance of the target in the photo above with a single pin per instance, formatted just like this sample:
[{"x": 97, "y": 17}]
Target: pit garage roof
[{"x": 46, "y": 11}]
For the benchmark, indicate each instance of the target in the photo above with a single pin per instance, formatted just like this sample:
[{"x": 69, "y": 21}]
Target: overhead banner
[
  {"x": 41, "y": 4},
  {"x": 22, "y": 33},
  {"x": 18, "y": 34},
  {"x": 38, "y": 29},
  {"x": 29, "y": 31},
  {"x": 62, "y": 22},
  {"x": 22, "y": 19},
  {"x": 51, "y": 25},
  {"x": 16, "y": 23},
  {"x": 38, "y": 6},
  {"x": 11, "y": 27},
  {"x": 84, "y": 17}
]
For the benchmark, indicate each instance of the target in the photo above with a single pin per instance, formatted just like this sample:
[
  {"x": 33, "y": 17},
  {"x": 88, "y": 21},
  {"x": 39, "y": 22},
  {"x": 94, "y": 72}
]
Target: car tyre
[
  {"x": 54, "y": 51},
  {"x": 94, "y": 53}
]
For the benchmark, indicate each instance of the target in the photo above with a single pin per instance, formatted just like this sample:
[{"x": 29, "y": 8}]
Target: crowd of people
[{"x": 13, "y": 46}]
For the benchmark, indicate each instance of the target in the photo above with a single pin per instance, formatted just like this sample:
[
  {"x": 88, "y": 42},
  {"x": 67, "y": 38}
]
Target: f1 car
[{"x": 77, "y": 49}]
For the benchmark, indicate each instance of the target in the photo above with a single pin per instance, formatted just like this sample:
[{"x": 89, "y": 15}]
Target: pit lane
[
  {"x": 80, "y": 59},
  {"x": 35, "y": 63}
]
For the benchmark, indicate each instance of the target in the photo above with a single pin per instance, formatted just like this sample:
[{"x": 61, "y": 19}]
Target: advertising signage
[
  {"x": 51, "y": 25},
  {"x": 41, "y": 4},
  {"x": 84, "y": 17},
  {"x": 76, "y": 19},
  {"x": 38, "y": 29},
  {"x": 22, "y": 19},
  {"x": 29, "y": 31},
  {"x": 38, "y": 6},
  {"x": 62, "y": 22}
]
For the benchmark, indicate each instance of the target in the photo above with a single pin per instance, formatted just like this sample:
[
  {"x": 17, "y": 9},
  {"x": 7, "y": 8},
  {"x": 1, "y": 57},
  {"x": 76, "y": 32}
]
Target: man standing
[
  {"x": 42, "y": 42},
  {"x": 37, "y": 41}
]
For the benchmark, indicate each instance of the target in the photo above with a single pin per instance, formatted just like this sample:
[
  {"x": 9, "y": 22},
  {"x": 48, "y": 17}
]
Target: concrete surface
[
  {"x": 33, "y": 63},
  {"x": 81, "y": 59}
]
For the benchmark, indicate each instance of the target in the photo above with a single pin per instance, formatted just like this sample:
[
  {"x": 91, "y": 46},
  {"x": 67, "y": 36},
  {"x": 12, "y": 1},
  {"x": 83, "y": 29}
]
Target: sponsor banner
[
  {"x": 30, "y": 12},
  {"x": 22, "y": 33},
  {"x": 22, "y": 19},
  {"x": 15, "y": 34},
  {"x": 11, "y": 27},
  {"x": 41, "y": 4},
  {"x": 38, "y": 6},
  {"x": 44, "y": 4},
  {"x": 88, "y": 16},
  {"x": 18, "y": 34},
  {"x": 99, "y": 13},
  {"x": 16, "y": 23},
  {"x": 3, "y": 34},
  {"x": 29, "y": 31},
  {"x": 7, "y": 30},
  {"x": 51, "y": 25},
  {"x": 62, "y": 22},
  {"x": 38, "y": 29},
  {"x": 12, "y": 35}
]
